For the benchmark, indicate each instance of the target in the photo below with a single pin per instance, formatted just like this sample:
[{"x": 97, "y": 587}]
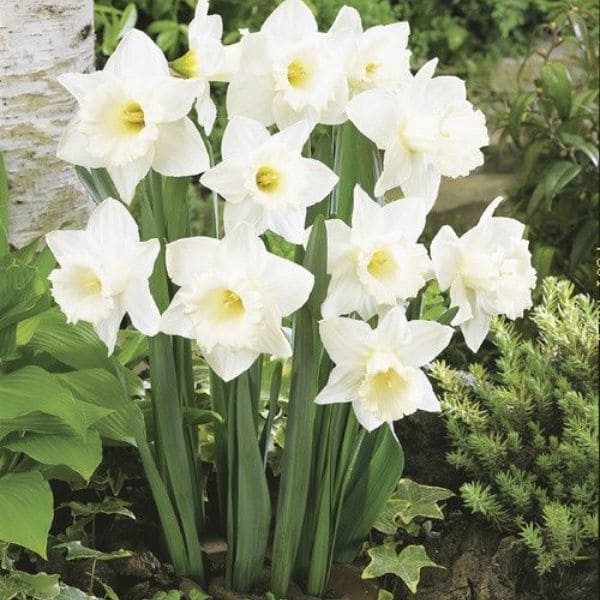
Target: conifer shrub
[{"x": 526, "y": 431}]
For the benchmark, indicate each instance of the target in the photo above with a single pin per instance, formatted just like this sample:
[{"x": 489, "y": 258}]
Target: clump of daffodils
[{"x": 233, "y": 294}]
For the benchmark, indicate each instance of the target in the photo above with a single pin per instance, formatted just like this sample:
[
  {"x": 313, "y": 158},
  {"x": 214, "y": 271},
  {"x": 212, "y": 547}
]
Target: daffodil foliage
[{"x": 320, "y": 126}]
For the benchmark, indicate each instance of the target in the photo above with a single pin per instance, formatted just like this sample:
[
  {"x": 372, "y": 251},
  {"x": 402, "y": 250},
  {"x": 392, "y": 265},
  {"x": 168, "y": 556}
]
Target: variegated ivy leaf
[
  {"x": 420, "y": 500},
  {"x": 407, "y": 565}
]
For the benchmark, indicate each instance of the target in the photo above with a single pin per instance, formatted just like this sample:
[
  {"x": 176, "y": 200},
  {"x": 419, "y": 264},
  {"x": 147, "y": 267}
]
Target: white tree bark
[{"x": 39, "y": 40}]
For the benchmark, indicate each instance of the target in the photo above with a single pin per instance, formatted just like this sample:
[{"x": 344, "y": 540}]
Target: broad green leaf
[
  {"x": 519, "y": 106},
  {"x": 82, "y": 454},
  {"x": 77, "y": 346},
  {"x": 385, "y": 595},
  {"x": 33, "y": 390},
  {"x": 26, "y": 509},
  {"x": 558, "y": 176},
  {"x": 420, "y": 500},
  {"x": 23, "y": 292},
  {"x": 542, "y": 259},
  {"x": 36, "y": 422},
  {"x": 128, "y": 20},
  {"x": 407, "y": 565},
  {"x": 99, "y": 387},
  {"x": 77, "y": 551},
  {"x": 18, "y": 584},
  {"x": 556, "y": 83}
]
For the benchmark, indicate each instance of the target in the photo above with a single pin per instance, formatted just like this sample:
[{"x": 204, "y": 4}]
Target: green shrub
[
  {"x": 555, "y": 126},
  {"x": 526, "y": 432}
]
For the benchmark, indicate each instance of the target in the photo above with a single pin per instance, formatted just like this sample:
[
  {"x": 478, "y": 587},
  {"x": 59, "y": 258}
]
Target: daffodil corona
[
  {"x": 132, "y": 117},
  {"x": 265, "y": 180},
  {"x": 104, "y": 273},
  {"x": 233, "y": 295},
  {"x": 377, "y": 263},
  {"x": 378, "y": 370},
  {"x": 488, "y": 271}
]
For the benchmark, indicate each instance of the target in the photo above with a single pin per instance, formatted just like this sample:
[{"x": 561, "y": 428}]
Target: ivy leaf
[
  {"x": 387, "y": 522},
  {"x": 18, "y": 584},
  {"x": 77, "y": 551},
  {"x": 420, "y": 500},
  {"x": 407, "y": 565}
]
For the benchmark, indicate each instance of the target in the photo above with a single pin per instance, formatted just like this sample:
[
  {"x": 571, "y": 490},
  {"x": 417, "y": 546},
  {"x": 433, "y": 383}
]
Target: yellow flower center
[
  {"x": 132, "y": 118},
  {"x": 381, "y": 265},
  {"x": 297, "y": 73},
  {"x": 187, "y": 65},
  {"x": 231, "y": 305},
  {"x": 267, "y": 179},
  {"x": 90, "y": 284},
  {"x": 371, "y": 69}
]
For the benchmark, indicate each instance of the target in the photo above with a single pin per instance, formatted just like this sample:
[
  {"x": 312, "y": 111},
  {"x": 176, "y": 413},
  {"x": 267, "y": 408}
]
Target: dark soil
[{"x": 480, "y": 563}]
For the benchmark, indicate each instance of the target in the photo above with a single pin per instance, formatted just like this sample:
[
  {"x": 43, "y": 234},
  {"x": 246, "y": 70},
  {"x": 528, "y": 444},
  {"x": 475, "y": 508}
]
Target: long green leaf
[
  {"x": 249, "y": 493},
  {"x": 301, "y": 409},
  {"x": 378, "y": 469}
]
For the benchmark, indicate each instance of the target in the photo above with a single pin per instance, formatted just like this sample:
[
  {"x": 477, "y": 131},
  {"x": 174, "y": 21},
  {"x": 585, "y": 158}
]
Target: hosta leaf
[
  {"x": 33, "y": 390},
  {"x": 407, "y": 565},
  {"x": 82, "y": 454},
  {"x": 77, "y": 551},
  {"x": 99, "y": 387},
  {"x": 77, "y": 346},
  {"x": 420, "y": 500},
  {"x": 26, "y": 509}
]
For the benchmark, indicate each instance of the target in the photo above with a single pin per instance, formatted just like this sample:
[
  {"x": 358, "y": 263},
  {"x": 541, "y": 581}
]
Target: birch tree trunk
[{"x": 39, "y": 39}]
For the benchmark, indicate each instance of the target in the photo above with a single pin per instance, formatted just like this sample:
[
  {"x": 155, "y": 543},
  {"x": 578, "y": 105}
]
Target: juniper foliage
[{"x": 526, "y": 432}]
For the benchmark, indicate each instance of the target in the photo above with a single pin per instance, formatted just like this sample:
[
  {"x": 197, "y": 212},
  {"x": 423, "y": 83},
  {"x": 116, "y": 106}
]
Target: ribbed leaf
[
  {"x": 26, "y": 509},
  {"x": 33, "y": 390},
  {"x": 82, "y": 454},
  {"x": 77, "y": 346}
]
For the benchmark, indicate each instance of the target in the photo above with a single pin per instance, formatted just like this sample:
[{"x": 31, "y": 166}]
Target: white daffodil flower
[
  {"x": 232, "y": 297},
  {"x": 104, "y": 272},
  {"x": 488, "y": 271},
  {"x": 206, "y": 60},
  {"x": 377, "y": 263},
  {"x": 378, "y": 370},
  {"x": 379, "y": 58},
  {"x": 289, "y": 71},
  {"x": 132, "y": 117},
  {"x": 427, "y": 128},
  {"x": 265, "y": 180}
]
